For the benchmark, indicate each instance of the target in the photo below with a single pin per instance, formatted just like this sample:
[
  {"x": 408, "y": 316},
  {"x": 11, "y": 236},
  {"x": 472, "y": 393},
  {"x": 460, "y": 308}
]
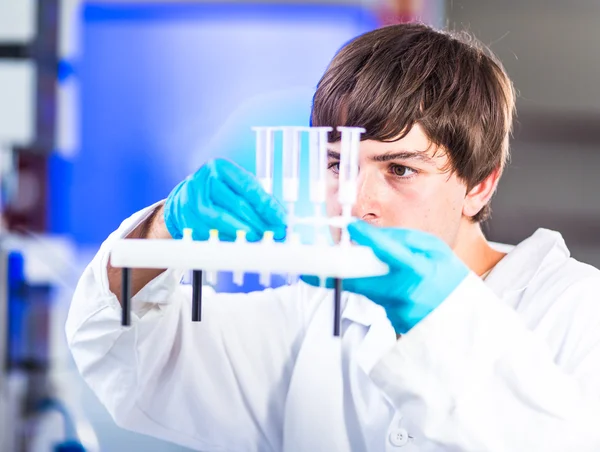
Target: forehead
[{"x": 416, "y": 141}]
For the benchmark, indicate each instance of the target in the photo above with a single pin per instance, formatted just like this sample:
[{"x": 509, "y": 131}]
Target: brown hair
[{"x": 391, "y": 78}]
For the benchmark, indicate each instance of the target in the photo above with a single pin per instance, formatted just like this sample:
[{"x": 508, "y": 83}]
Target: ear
[{"x": 480, "y": 194}]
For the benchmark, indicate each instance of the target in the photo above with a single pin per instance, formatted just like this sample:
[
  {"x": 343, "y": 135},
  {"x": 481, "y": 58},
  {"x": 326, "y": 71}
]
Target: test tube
[
  {"x": 264, "y": 156},
  {"x": 348, "y": 174},
  {"x": 349, "y": 164},
  {"x": 291, "y": 165},
  {"x": 318, "y": 140}
]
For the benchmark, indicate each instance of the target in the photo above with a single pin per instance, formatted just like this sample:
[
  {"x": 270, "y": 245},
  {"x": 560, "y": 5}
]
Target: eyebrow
[{"x": 389, "y": 156}]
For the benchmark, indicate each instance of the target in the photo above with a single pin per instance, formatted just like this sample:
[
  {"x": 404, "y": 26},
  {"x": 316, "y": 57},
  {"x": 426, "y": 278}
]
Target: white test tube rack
[{"x": 265, "y": 257}]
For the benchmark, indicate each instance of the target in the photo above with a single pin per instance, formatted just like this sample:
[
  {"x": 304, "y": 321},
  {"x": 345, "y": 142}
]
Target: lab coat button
[{"x": 399, "y": 437}]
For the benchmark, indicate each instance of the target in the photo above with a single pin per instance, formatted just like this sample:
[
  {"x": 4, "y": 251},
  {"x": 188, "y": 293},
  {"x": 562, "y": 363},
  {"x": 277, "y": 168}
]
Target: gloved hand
[
  {"x": 223, "y": 196},
  {"x": 423, "y": 273}
]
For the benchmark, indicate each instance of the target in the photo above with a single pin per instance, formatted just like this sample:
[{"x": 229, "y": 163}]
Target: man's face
[{"x": 402, "y": 184}]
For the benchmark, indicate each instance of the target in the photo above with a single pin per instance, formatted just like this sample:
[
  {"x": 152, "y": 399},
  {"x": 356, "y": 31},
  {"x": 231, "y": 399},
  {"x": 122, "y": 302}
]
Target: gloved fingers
[
  {"x": 206, "y": 218},
  {"x": 204, "y": 198},
  {"x": 236, "y": 177},
  {"x": 201, "y": 231},
  {"x": 419, "y": 242},
  {"x": 270, "y": 209},
  {"x": 385, "y": 246},
  {"x": 247, "y": 185},
  {"x": 224, "y": 198},
  {"x": 422, "y": 242},
  {"x": 233, "y": 173},
  {"x": 228, "y": 225}
]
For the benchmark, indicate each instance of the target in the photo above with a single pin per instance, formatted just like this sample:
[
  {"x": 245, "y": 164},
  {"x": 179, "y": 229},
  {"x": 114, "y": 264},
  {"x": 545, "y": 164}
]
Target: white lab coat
[{"x": 512, "y": 364}]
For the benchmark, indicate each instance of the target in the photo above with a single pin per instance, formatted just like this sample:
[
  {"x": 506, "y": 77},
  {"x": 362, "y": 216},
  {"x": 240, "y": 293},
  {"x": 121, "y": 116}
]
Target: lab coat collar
[{"x": 519, "y": 267}]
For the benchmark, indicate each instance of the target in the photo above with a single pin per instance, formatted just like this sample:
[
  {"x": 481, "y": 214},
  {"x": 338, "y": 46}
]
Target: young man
[{"x": 460, "y": 347}]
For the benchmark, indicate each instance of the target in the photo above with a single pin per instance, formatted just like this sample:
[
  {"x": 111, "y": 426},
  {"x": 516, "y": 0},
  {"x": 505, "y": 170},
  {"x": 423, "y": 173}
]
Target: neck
[{"x": 473, "y": 249}]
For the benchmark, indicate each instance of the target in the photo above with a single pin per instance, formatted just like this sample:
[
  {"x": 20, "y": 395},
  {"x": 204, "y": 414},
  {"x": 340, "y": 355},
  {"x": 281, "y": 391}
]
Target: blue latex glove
[
  {"x": 223, "y": 196},
  {"x": 423, "y": 273}
]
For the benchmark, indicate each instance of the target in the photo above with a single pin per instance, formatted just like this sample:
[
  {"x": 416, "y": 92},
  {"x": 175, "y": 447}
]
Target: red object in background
[
  {"x": 400, "y": 11},
  {"x": 28, "y": 211}
]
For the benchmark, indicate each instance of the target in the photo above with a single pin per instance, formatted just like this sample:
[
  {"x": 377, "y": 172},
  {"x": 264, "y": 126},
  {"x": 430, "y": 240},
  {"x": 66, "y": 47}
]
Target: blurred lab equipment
[{"x": 28, "y": 77}]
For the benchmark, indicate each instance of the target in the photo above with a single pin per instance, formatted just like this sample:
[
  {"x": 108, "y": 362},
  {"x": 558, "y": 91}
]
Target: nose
[{"x": 368, "y": 201}]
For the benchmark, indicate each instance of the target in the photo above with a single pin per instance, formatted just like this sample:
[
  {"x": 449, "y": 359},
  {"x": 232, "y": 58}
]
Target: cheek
[
  {"x": 445, "y": 212},
  {"x": 333, "y": 209},
  {"x": 333, "y": 206},
  {"x": 403, "y": 206},
  {"x": 454, "y": 197},
  {"x": 432, "y": 206}
]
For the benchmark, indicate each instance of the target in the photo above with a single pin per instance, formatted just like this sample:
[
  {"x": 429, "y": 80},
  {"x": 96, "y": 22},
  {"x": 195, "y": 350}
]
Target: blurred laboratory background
[{"x": 105, "y": 105}]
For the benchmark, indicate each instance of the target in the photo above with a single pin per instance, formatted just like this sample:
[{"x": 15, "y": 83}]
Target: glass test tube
[
  {"x": 291, "y": 163},
  {"x": 318, "y": 139},
  {"x": 264, "y": 156},
  {"x": 348, "y": 174},
  {"x": 290, "y": 160}
]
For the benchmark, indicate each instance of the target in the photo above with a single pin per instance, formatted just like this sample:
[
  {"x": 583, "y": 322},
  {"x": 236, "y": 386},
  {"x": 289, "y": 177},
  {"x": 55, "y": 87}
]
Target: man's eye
[
  {"x": 334, "y": 166},
  {"x": 401, "y": 170}
]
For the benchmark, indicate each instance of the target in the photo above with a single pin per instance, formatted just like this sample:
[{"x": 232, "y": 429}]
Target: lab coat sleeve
[
  {"x": 217, "y": 385},
  {"x": 472, "y": 377}
]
